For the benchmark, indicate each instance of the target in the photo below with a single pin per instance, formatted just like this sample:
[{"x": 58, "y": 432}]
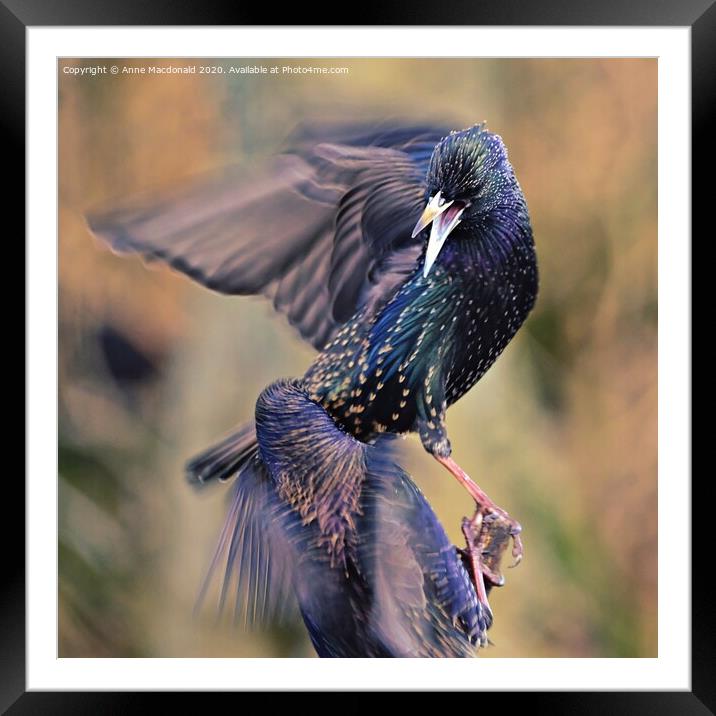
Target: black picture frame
[{"x": 699, "y": 15}]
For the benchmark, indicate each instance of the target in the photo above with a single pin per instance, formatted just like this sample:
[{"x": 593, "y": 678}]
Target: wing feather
[
  {"x": 253, "y": 553},
  {"x": 310, "y": 228}
]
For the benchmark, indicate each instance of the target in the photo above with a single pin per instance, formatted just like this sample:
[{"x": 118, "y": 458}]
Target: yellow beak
[
  {"x": 431, "y": 212},
  {"x": 442, "y": 225}
]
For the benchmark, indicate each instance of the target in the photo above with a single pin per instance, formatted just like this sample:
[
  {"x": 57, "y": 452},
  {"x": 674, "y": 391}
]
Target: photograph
[{"x": 357, "y": 357}]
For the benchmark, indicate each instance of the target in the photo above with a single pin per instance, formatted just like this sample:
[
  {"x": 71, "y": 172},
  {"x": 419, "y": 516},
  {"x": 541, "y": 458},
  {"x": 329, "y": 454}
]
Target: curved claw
[{"x": 517, "y": 549}]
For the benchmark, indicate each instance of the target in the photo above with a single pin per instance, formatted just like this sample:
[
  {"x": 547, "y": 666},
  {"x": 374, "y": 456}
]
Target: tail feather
[{"x": 223, "y": 460}]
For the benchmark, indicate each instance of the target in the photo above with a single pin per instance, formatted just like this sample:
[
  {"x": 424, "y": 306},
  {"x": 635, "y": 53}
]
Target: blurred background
[{"x": 562, "y": 431}]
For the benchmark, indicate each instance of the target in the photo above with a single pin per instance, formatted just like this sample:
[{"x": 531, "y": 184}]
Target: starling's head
[{"x": 468, "y": 177}]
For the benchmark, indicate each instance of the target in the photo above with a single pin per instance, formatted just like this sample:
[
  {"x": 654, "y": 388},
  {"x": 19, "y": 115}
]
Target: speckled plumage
[{"x": 399, "y": 368}]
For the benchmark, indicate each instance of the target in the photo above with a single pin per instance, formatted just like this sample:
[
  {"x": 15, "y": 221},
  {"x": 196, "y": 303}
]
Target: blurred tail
[{"x": 223, "y": 460}]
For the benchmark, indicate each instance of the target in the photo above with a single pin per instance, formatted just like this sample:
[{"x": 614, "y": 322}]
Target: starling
[
  {"x": 328, "y": 524},
  {"x": 406, "y": 316}
]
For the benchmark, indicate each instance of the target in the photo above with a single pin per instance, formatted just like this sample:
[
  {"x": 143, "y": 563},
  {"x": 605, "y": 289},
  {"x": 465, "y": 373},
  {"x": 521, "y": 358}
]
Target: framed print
[{"x": 277, "y": 250}]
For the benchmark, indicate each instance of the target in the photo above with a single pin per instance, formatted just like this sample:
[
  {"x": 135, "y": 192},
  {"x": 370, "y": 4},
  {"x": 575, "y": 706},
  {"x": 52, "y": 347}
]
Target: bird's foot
[
  {"x": 510, "y": 527},
  {"x": 489, "y": 513}
]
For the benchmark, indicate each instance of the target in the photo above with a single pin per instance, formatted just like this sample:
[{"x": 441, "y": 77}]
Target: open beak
[{"x": 444, "y": 216}]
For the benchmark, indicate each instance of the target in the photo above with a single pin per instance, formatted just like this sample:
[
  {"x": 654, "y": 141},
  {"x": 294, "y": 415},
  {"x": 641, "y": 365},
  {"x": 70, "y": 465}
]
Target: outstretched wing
[
  {"x": 321, "y": 230},
  {"x": 252, "y": 553}
]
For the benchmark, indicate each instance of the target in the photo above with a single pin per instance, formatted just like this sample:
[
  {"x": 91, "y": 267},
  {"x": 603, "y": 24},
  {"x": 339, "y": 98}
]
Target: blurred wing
[
  {"x": 321, "y": 230},
  {"x": 424, "y": 603},
  {"x": 253, "y": 554}
]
